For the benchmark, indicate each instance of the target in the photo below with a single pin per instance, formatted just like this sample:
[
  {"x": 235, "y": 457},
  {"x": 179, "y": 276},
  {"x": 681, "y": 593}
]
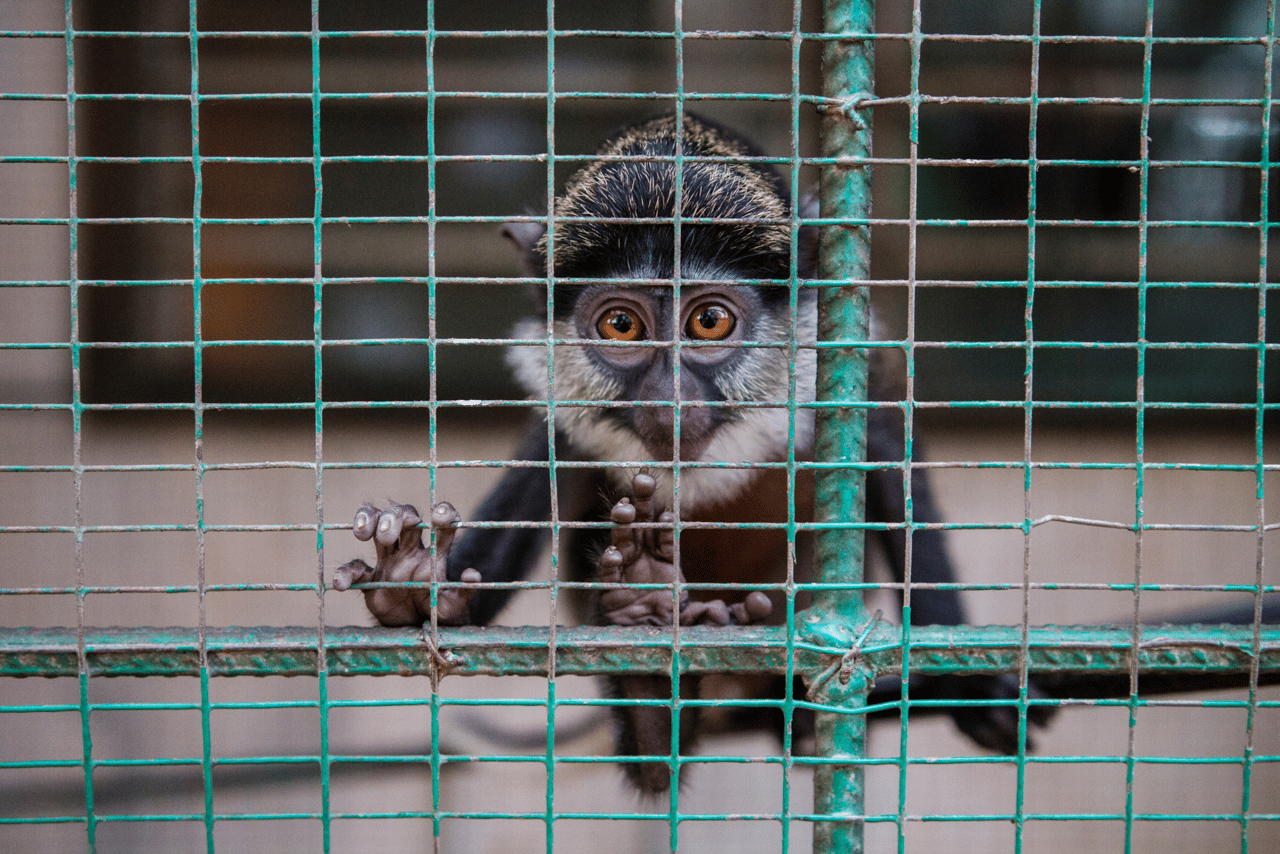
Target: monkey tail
[{"x": 521, "y": 738}]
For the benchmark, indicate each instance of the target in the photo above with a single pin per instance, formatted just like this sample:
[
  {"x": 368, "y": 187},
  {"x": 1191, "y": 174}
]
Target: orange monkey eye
[
  {"x": 710, "y": 322},
  {"x": 618, "y": 324}
]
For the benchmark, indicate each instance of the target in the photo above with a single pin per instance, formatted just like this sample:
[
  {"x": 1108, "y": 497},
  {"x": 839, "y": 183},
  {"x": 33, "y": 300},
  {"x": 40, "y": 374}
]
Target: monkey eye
[
  {"x": 618, "y": 324},
  {"x": 710, "y": 322}
]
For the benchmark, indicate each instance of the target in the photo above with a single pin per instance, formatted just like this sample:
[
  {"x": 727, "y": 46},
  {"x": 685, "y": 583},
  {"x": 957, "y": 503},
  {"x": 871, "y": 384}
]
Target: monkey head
[{"x": 648, "y": 328}]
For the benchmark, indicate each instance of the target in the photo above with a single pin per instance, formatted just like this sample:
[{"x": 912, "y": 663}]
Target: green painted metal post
[{"x": 841, "y": 431}]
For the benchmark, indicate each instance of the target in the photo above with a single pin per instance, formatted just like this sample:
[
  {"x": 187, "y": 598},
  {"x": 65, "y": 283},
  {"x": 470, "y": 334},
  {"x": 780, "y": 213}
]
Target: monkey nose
[{"x": 656, "y": 427}]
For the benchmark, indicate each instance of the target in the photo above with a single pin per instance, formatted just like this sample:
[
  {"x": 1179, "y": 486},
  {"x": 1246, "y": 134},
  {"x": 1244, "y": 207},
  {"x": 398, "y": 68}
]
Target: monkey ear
[
  {"x": 525, "y": 237},
  {"x": 807, "y": 241}
]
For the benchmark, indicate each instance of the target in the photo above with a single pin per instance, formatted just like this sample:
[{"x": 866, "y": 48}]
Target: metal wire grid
[{"x": 87, "y": 651}]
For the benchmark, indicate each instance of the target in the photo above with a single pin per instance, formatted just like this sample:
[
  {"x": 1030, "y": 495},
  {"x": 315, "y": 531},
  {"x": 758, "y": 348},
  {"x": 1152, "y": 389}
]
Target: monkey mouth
[
  {"x": 663, "y": 448},
  {"x": 656, "y": 429}
]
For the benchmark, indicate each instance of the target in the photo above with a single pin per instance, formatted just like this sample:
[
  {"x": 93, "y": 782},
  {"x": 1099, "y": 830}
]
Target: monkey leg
[
  {"x": 403, "y": 557},
  {"x": 647, "y": 556},
  {"x": 993, "y": 727},
  {"x": 646, "y": 730}
]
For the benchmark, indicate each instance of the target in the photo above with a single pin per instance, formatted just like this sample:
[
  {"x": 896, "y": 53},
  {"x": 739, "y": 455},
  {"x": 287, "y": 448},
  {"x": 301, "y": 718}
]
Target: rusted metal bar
[{"x": 353, "y": 650}]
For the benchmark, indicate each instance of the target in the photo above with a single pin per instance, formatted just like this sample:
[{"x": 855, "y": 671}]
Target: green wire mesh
[{"x": 249, "y": 278}]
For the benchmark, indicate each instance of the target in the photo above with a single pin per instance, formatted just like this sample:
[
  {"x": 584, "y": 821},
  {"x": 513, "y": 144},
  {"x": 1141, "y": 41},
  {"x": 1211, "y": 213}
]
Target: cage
[{"x": 251, "y": 276}]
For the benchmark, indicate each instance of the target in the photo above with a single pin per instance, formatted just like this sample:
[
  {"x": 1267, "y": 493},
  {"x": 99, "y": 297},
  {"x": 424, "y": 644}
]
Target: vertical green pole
[
  {"x": 1260, "y": 415},
  {"x": 317, "y": 337},
  {"x": 553, "y": 479},
  {"x": 77, "y": 412},
  {"x": 197, "y": 345},
  {"x": 841, "y": 431}
]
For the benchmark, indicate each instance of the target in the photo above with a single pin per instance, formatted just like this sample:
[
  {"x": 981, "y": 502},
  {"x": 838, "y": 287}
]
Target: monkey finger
[
  {"x": 713, "y": 613},
  {"x": 398, "y": 526},
  {"x": 643, "y": 485},
  {"x": 353, "y": 572},
  {"x": 610, "y": 564},
  {"x": 452, "y": 603},
  {"x": 445, "y": 519},
  {"x": 611, "y": 559},
  {"x": 444, "y": 515},
  {"x": 755, "y": 608},
  {"x": 665, "y": 538},
  {"x": 387, "y": 530},
  {"x": 622, "y": 536},
  {"x": 623, "y": 513}
]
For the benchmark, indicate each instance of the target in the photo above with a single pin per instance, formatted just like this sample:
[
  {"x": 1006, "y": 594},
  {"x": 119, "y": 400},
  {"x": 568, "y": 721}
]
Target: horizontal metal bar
[
  {"x": 524, "y": 281},
  {"x": 355, "y": 650},
  {"x": 919, "y": 344},
  {"x": 1018, "y": 405},
  {"x": 535, "y": 95},
  {"x": 536, "y": 157},
  {"x": 499, "y": 219},
  {"x": 685, "y": 35}
]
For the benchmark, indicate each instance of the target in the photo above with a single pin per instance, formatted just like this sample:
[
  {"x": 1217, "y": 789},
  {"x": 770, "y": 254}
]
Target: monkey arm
[
  {"x": 930, "y": 563},
  {"x": 647, "y": 556},
  {"x": 508, "y": 554}
]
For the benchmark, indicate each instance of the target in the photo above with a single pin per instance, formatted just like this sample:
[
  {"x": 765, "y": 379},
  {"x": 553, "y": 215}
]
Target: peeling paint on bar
[{"x": 352, "y": 651}]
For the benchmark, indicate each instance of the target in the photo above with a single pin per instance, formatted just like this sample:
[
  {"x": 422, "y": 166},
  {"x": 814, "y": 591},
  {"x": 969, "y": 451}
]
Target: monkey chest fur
[{"x": 747, "y": 555}]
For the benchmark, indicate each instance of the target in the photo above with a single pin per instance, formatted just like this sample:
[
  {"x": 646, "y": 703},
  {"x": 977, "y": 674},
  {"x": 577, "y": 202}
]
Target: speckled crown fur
[{"x": 755, "y": 244}]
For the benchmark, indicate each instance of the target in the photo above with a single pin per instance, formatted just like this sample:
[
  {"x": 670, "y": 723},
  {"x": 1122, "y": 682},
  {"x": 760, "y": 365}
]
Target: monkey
[{"x": 698, "y": 375}]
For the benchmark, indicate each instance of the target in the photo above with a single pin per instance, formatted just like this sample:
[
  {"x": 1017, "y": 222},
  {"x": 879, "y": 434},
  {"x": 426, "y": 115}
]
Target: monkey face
[
  {"x": 635, "y": 331},
  {"x": 631, "y": 364}
]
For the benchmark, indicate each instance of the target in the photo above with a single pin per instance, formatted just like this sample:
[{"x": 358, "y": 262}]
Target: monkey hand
[
  {"x": 397, "y": 540},
  {"x": 647, "y": 556},
  {"x": 995, "y": 727}
]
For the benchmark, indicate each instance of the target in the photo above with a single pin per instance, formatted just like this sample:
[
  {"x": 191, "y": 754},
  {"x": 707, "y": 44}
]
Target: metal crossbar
[{"x": 246, "y": 278}]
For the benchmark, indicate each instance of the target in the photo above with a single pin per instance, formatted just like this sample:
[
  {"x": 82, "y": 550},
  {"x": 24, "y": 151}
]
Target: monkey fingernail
[
  {"x": 444, "y": 515},
  {"x": 365, "y": 521},
  {"x": 388, "y": 528}
]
